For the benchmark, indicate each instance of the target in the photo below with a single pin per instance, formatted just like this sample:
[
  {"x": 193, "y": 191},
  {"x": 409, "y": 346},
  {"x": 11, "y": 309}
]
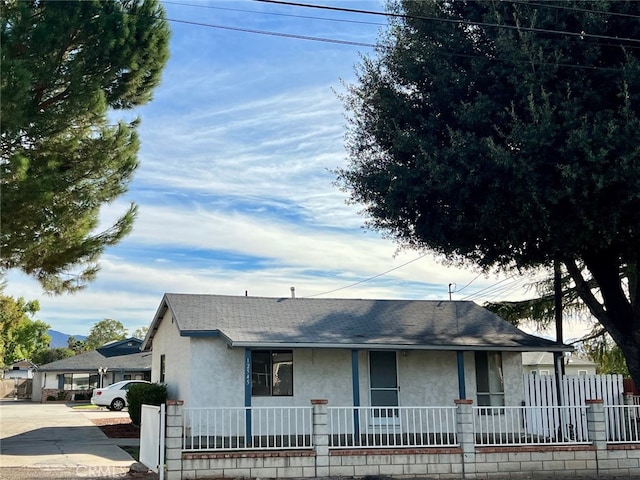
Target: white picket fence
[{"x": 541, "y": 391}]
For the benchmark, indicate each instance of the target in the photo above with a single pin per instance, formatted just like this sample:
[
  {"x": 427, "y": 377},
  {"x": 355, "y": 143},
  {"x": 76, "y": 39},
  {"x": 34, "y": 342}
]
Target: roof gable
[
  {"x": 344, "y": 323},
  {"x": 23, "y": 364}
]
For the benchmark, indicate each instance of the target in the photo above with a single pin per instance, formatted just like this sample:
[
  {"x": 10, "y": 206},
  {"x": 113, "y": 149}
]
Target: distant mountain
[{"x": 59, "y": 339}]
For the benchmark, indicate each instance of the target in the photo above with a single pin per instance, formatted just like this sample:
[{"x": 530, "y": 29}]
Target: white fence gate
[
  {"x": 541, "y": 391},
  {"x": 152, "y": 429}
]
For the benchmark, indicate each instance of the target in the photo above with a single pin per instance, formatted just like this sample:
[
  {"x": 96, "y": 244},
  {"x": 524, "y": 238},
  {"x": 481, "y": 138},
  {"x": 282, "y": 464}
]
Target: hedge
[{"x": 144, "y": 393}]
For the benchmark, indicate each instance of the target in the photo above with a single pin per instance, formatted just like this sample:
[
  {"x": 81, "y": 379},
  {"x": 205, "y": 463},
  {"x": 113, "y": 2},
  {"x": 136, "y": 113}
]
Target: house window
[
  {"x": 162, "y": 368},
  {"x": 271, "y": 373},
  {"x": 544, "y": 372},
  {"x": 80, "y": 381},
  {"x": 489, "y": 379}
]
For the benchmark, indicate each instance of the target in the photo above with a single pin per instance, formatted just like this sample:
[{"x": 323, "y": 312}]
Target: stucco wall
[
  {"x": 317, "y": 373},
  {"x": 177, "y": 351},
  {"x": 425, "y": 377},
  {"x": 513, "y": 380},
  {"x": 217, "y": 374}
]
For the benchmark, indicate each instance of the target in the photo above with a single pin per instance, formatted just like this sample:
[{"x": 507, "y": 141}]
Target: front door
[{"x": 383, "y": 375}]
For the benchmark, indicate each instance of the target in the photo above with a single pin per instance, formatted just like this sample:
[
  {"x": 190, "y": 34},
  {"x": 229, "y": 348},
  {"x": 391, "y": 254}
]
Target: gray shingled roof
[
  {"x": 91, "y": 361},
  {"x": 345, "y": 323}
]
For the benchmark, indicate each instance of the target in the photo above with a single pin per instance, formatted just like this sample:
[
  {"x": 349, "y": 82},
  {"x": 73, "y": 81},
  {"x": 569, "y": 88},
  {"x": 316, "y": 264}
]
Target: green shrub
[
  {"x": 51, "y": 398},
  {"x": 144, "y": 393}
]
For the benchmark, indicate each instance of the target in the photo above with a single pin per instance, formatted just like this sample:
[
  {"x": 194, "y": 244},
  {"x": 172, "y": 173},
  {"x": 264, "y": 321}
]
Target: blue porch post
[
  {"x": 247, "y": 396},
  {"x": 462, "y": 390},
  {"x": 355, "y": 378}
]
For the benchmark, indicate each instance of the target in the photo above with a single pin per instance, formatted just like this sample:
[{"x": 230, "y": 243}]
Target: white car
[{"x": 114, "y": 397}]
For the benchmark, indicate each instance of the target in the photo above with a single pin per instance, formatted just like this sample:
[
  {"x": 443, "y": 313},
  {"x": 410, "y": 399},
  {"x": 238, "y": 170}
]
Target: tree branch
[{"x": 584, "y": 290}]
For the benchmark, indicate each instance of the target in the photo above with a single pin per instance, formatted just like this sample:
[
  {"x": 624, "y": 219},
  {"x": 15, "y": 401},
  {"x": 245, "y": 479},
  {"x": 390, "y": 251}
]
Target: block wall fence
[{"x": 467, "y": 461}]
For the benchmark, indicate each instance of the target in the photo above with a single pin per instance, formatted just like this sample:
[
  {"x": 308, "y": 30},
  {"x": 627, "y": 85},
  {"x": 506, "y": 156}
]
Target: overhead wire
[
  {"x": 377, "y": 45},
  {"x": 367, "y": 279},
  {"x": 473, "y": 280},
  {"x": 274, "y": 34},
  {"x": 485, "y": 291},
  {"x": 574, "y": 9},
  {"x": 308, "y": 17},
  {"x": 493, "y": 289},
  {"x": 453, "y": 20}
]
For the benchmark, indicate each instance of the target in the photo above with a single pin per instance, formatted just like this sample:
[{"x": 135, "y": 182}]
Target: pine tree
[{"x": 65, "y": 66}]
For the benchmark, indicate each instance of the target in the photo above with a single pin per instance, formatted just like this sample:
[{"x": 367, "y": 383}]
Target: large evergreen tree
[
  {"x": 66, "y": 66},
  {"x": 505, "y": 134}
]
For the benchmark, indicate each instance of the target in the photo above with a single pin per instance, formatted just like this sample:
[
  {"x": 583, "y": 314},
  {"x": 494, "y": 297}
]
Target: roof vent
[{"x": 293, "y": 292}]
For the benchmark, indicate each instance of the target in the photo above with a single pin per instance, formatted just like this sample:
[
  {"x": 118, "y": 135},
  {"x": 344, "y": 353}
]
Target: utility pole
[{"x": 558, "y": 357}]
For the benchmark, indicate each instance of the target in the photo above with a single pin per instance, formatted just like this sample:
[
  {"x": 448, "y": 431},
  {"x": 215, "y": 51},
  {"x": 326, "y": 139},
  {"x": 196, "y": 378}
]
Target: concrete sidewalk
[{"x": 49, "y": 436}]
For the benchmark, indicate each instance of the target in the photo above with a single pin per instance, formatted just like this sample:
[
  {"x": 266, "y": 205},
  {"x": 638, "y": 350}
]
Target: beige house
[{"x": 541, "y": 363}]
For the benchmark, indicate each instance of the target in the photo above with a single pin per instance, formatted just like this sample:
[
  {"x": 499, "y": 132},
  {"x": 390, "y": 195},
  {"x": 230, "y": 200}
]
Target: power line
[
  {"x": 309, "y": 17},
  {"x": 273, "y": 34},
  {"x": 474, "y": 279},
  {"x": 380, "y": 46},
  {"x": 574, "y": 9},
  {"x": 376, "y": 45},
  {"x": 489, "y": 288},
  {"x": 580, "y": 35},
  {"x": 368, "y": 279}
]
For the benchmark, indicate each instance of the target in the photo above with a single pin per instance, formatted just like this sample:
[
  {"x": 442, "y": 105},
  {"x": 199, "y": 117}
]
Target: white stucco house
[{"x": 224, "y": 351}]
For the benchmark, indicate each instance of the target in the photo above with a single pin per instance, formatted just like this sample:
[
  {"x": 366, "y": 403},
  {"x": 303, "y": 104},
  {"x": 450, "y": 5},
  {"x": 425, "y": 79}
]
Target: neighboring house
[
  {"x": 16, "y": 381},
  {"x": 541, "y": 363},
  {"x": 20, "y": 369},
  {"x": 77, "y": 376},
  {"x": 226, "y": 351}
]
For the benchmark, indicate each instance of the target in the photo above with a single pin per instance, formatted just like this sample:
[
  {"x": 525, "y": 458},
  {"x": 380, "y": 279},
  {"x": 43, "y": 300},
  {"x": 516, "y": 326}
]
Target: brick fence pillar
[
  {"x": 596, "y": 424},
  {"x": 173, "y": 440},
  {"x": 321, "y": 437},
  {"x": 466, "y": 437}
]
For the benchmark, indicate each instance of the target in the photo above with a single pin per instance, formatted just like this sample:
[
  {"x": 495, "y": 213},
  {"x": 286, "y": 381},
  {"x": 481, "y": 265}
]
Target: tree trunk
[
  {"x": 631, "y": 350},
  {"x": 615, "y": 311}
]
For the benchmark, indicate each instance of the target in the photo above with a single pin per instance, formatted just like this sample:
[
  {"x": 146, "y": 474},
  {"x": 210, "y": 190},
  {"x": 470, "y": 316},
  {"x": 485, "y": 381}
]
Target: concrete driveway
[{"x": 52, "y": 436}]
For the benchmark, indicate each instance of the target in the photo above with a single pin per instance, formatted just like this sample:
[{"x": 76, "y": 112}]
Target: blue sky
[{"x": 235, "y": 189}]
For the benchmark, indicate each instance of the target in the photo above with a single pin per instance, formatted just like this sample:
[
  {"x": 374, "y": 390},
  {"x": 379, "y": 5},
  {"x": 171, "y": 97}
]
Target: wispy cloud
[{"x": 234, "y": 188}]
